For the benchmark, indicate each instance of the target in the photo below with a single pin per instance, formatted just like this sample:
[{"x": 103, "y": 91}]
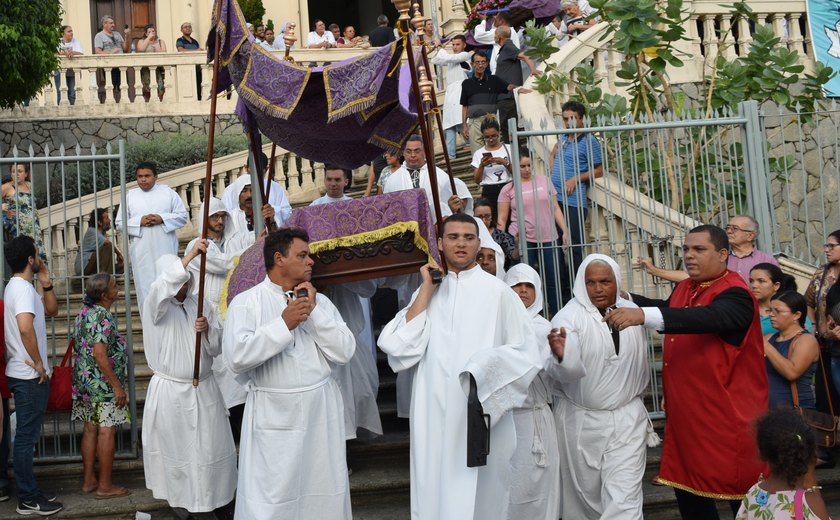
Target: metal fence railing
[{"x": 56, "y": 178}]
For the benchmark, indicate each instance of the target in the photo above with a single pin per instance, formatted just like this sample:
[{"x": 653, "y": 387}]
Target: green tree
[
  {"x": 29, "y": 34},
  {"x": 253, "y": 10}
]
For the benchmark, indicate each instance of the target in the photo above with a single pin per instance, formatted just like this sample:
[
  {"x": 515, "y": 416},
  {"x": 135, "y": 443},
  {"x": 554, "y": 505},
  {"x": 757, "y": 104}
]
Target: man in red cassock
[{"x": 713, "y": 375}]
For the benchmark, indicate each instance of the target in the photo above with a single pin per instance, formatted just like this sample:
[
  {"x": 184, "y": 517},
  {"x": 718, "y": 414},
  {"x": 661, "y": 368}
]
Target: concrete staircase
[{"x": 380, "y": 479}]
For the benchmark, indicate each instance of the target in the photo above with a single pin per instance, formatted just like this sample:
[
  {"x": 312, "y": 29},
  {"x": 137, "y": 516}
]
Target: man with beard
[
  {"x": 444, "y": 332},
  {"x": 107, "y": 258},
  {"x": 27, "y": 368}
]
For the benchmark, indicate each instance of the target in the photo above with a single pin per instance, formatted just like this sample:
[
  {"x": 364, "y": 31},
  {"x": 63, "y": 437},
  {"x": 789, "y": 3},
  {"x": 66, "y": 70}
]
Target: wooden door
[{"x": 132, "y": 13}]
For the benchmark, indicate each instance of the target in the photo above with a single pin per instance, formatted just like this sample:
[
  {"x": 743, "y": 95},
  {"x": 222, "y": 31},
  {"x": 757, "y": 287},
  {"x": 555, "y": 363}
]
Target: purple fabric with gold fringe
[
  {"x": 361, "y": 219},
  {"x": 345, "y": 114}
]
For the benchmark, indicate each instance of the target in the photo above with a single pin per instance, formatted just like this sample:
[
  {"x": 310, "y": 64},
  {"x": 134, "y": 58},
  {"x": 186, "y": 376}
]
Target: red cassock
[{"x": 714, "y": 391}]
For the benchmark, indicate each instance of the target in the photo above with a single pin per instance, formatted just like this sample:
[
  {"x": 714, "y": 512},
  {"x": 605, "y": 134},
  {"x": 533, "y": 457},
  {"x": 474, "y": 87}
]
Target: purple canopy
[{"x": 345, "y": 114}]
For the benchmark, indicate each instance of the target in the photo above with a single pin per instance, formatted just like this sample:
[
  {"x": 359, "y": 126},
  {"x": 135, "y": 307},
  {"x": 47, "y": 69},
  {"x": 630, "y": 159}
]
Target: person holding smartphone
[{"x": 492, "y": 163}]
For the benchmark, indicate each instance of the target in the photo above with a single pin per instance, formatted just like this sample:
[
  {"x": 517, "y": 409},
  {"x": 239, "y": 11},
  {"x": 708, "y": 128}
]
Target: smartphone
[
  {"x": 487, "y": 155},
  {"x": 302, "y": 293},
  {"x": 436, "y": 275}
]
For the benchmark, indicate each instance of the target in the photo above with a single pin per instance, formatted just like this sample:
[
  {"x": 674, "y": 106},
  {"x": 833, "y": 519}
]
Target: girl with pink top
[{"x": 541, "y": 212}]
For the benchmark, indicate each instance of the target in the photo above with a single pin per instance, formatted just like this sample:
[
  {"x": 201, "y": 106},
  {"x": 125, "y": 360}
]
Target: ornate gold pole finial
[
  {"x": 289, "y": 39},
  {"x": 402, "y": 6},
  {"x": 417, "y": 21},
  {"x": 425, "y": 85}
]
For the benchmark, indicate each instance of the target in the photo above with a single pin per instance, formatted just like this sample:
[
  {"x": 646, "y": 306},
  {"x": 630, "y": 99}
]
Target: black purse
[{"x": 824, "y": 425}]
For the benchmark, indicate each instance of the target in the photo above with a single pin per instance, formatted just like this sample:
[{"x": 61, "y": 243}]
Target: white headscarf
[
  {"x": 524, "y": 273},
  {"x": 230, "y": 197},
  {"x": 579, "y": 290},
  {"x": 487, "y": 241},
  {"x": 216, "y": 206}
]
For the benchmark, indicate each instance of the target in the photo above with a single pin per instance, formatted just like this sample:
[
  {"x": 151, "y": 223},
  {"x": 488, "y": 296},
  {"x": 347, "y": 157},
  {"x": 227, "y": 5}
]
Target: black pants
[
  {"x": 236, "y": 421},
  {"x": 694, "y": 507},
  {"x": 507, "y": 110}
]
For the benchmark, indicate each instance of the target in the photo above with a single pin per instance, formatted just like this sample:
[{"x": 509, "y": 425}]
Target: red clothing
[
  {"x": 713, "y": 393},
  {"x": 5, "y": 393}
]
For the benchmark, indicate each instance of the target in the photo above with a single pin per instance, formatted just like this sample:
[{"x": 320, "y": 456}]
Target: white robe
[
  {"x": 189, "y": 458},
  {"x": 401, "y": 180},
  {"x": 147, "y": 244},
  {"x": 474, "y": 325},
  {"x": 455, "y": 74},
  {"x": 359, "y": 378},
  {"x": 535, "y": 465},
  {"x": 291, "y": 454},
  {"x": 598, "y": 408},
  {"x": 218, "y": 265}
]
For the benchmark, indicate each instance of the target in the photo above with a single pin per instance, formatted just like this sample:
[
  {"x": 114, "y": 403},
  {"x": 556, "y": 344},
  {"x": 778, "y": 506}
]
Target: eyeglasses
[
  {"x": 830, "y": 246},
  {"x": 491, "y": 137},
  {"x": 216, "y": 216},
  {"x": 484, "y": 217},
  {"x": 776, "y": 312},
  {"x": 736, "y": 229}
]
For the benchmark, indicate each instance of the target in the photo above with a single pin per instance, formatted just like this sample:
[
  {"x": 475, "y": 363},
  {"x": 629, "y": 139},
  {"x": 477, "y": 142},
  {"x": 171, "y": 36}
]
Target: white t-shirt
[
  {"x": 493, "y": 173},
  {"x": 21, "y": 297},
  {"x": 313, "y": 38}
]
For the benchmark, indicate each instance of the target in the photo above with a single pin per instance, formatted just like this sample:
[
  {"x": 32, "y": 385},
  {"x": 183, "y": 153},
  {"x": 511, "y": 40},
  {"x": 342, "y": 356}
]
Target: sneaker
[
  {"x": 4, "y": 493},
  {"x": 38, "y": 506},
  {"x": 49, "y": 497}
]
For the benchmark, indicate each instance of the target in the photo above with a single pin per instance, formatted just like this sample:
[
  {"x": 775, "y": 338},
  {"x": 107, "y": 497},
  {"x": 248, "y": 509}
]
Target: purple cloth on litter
[
  {"x": 542, "y": 10},
  {"x": 341, "y": 219},
  {"x": 291, "y": 105}
]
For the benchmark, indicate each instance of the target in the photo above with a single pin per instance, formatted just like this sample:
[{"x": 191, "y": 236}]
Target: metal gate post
[{"x": 756, "y": 171}]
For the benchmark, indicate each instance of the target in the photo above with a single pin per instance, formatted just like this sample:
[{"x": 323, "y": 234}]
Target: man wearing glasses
[
  {"x": 186, "y": 43},
  {"x": 479, "y": 95},
  {"x": 742, "y": 232}
]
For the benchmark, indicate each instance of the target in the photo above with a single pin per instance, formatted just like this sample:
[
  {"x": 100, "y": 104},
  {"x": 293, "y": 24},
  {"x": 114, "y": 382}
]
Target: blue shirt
[{"x": 579, "y": 155}]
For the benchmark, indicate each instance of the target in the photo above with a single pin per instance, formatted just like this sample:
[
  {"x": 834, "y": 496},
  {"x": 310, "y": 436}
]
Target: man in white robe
[
  {"x": 472, "y": 324},
  {"x": 241, "y": 210},
  {"x": 359, "y": 378},
  {"x": 223, "y": 246},
  {"x": 281, "y": 343},
  {"x": 599, "y": 378},
  {"x": 535, "y": 466},
  {"x": 155, "y": 213},
  {"x": 189, "y": 458},
  {"x": 414, "y": 173},
  {"x": 277, "y": 198},
  {"x": 457, "y": 66}
]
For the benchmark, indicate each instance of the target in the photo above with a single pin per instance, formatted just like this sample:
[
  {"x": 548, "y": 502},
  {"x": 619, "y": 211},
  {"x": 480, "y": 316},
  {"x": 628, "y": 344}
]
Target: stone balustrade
[{"x": 186, "y": 79}]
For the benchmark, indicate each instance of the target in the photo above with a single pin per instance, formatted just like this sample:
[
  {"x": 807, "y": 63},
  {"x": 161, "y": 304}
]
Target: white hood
[
  {"x": 487, "y": 241},
  {"x": 524, "y": 273},
  {"x": 579, "y": 289},
  {"x": 230, "y": 197},
  {"x": 216, "y": 206}
]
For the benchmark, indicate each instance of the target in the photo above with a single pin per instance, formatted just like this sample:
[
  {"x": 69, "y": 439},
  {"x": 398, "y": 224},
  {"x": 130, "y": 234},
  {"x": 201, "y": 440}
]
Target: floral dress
[
  {"x": 94, "y": 399},
  {"x": 25, "y": 221},
  {"x": 759, "y": 504}
]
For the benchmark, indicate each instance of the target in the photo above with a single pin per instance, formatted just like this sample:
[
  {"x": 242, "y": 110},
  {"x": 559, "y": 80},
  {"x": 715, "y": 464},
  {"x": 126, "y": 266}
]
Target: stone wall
[{"x": 98, "y": 132}]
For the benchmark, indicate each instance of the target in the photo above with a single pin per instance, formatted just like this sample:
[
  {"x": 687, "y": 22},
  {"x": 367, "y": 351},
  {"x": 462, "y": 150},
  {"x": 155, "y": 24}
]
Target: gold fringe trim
[
  {"x": 356, "y": 105},
  {"x": 716, "y": 496},
  {"x": 267, "y": 106},
  {"x": 374, "y": 236},
  {"x": 352, "y": 240},
  {"x": 223, "y": 306}
]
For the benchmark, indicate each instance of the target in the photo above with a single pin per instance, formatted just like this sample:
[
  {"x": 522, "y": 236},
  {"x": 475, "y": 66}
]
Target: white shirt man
[
  {"x": 320, "y": 37},
  {"x": 471, "y": 325},
  {"x": 189, "y": 458},
  {"x": 535, "y": 465},
  {"x": 155, "y": 213},
  {"x": 486, "y": 36},
  {"x": 359, "y": 378},
  {"x": 414, "y": 173},
  {"x": 599, "y": 377},
  {"x": 457, "y": 66},
  {"x": 27, "y": 368},
  {"x": 281, "y": 338}
]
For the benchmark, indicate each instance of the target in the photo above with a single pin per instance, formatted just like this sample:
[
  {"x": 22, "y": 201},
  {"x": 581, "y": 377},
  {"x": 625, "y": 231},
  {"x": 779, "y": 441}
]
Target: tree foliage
[
  {"x": 253, "y": 10},
  {"x": 29, "y": 35}
]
